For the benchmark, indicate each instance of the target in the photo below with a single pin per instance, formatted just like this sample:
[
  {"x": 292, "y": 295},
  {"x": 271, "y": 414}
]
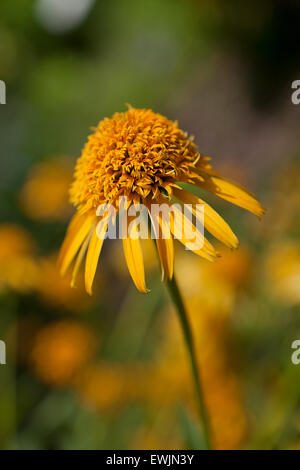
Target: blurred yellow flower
[
  {"x": 18, "y": 269},
  {"x": 199, "y": 281},
  {"x": 60, "y": 349},
  {"x": 226, "y": 408},
  {"x": 55, "y": 290},
  {"x": 284, "y": 203},
  {"x": 45, "y": 193},
  {"x": 143, "y": 156},
  {"x": 234, "y": 267},
  {"x": 283, "y": 271},
  {"x": 106, "y": 386},
  {"x": 14, "y": 241}
]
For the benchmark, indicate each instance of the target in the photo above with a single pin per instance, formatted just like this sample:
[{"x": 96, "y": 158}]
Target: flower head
[
  {"x": 143, "y": 156},
  {"x": 136, "y": 154}
]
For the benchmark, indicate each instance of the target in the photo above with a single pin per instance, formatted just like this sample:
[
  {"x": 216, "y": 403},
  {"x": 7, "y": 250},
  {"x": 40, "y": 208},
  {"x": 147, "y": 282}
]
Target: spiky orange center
[{"x": 137, "y": 154}]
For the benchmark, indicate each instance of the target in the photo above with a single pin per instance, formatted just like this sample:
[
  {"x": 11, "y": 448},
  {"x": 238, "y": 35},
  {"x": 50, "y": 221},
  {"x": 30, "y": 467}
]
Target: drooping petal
[
  {"x": 74, "y": 240},
  {"x": 164, "y": 243},
  {"x": 186, "y": 232},
  {"x": 79, "y": 258},
  {"x": 76, "y": 221},
  {"x": 214, "y": 223},
  {"x": 93, "y": 254},
  {"x": 231, "y": 192},
  {"x": 134, "y": 257}
]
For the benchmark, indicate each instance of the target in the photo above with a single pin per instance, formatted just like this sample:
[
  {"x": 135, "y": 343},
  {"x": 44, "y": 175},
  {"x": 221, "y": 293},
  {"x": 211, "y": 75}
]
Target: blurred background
[{"x": 110, "y": 371}]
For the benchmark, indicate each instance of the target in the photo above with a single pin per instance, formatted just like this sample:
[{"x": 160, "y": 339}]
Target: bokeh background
[{"x": 110, "y": 371}]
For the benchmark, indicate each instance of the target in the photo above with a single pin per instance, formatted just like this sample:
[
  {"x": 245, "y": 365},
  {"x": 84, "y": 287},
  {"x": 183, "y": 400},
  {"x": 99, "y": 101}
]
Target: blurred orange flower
[
  {"x": 45, "y": 193},
  {"x": 106, "y": 385},
  {"x": 282, "y": 265},
  {"x": 18, "y": 268},
  {"x": 60, "y": 349}
]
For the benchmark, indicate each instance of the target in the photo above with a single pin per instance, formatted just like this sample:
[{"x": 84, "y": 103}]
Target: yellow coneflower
[
  {"x": 144, "y": 156},
  {"x": 118, "y": 380}
]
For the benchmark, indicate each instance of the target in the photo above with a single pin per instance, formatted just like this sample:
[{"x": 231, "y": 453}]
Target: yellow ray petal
[
  {"x": 232, "y": 192},
  {"x": 76, "y": 221},
  {"x": 214, "y": 223},
  {"x": 134, "y": 257},
  {"x": 79, "y": 258},
  {"x": 92, "y": 256},
  {"x": 164, "y": 243},
  {"x": 75, "y": 238},
  {"x": 186, "y": 232}
]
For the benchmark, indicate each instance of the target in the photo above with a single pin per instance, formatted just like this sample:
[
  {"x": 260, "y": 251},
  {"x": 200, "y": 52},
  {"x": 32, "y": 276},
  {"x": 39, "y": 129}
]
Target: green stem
[{"x": 187, "y": 333}]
